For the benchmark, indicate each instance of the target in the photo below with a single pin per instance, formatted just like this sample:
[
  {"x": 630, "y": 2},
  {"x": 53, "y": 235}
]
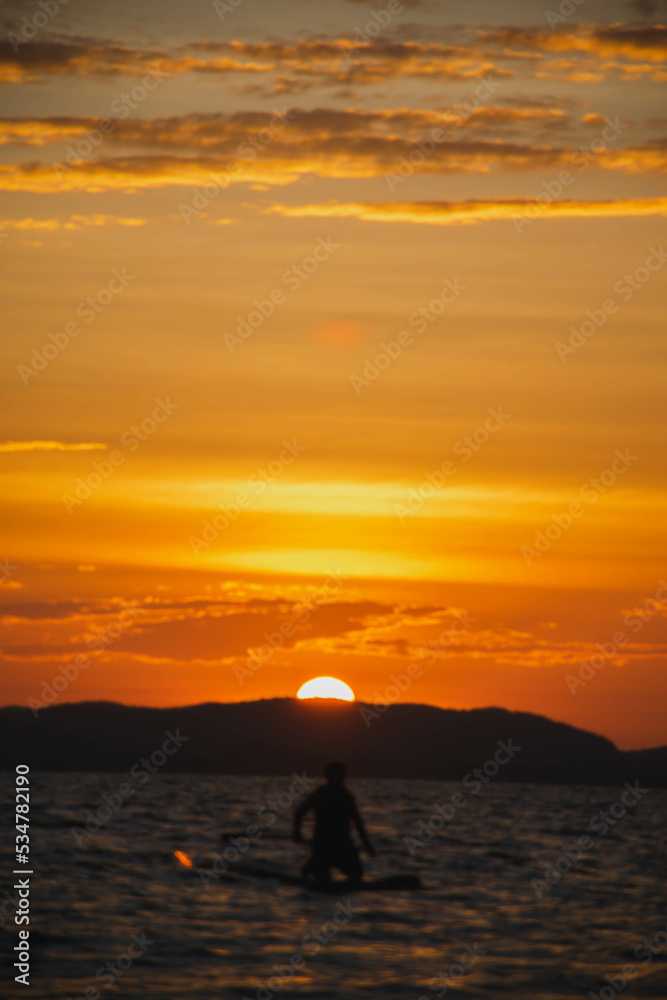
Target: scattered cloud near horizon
[
  {"x": 446, "y": 213},
  {"x": 14, "y": 446}
]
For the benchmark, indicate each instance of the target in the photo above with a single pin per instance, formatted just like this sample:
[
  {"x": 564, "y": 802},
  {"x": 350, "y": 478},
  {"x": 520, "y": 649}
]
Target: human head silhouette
[{"x": 335, "y": 772}]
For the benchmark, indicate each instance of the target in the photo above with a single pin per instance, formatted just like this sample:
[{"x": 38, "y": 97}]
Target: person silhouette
[{"x": 335, "y": 808}]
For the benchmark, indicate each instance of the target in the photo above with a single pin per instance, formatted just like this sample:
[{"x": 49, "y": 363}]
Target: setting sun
[{"x": 326, "y": 687}]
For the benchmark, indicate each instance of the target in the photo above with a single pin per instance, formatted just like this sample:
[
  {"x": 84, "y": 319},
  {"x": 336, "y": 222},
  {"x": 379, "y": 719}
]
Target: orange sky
[{"x": 352, "y": 335}]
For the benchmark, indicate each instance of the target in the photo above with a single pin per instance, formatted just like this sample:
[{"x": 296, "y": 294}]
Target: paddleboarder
[{"x": 335, "y": 810}]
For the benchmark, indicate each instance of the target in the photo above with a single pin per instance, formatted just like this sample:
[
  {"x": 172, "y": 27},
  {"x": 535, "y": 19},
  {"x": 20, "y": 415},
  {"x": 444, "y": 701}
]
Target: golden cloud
[
  {"x": 450, "y": 213},
  {"x": 50, "y": 446},
  {"x": 345, "y": 61},
  {"x": 337, "y": 156},
  {"x": 222, "y": 133},
  {"x": 649, "y": 43},
  {"x": 74, "y": 222}
]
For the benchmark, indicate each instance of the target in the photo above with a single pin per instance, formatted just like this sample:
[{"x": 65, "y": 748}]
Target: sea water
[{"x": 529, "y": 892}]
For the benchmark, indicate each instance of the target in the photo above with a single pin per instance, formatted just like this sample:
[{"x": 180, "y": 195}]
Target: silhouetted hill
[
  {"x": 281, "y": 735},
  {"x": 650, "y": 764}
]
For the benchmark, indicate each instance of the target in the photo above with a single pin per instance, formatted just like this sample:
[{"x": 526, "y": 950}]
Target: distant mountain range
[{"x": 282, "y": 735}]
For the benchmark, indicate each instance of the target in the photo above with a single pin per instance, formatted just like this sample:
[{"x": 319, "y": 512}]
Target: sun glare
[{"x": 326, "y": 687}]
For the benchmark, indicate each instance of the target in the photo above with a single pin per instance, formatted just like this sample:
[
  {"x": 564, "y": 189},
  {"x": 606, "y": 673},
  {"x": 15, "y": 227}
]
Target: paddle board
[{"x": 390, "y": 883}]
